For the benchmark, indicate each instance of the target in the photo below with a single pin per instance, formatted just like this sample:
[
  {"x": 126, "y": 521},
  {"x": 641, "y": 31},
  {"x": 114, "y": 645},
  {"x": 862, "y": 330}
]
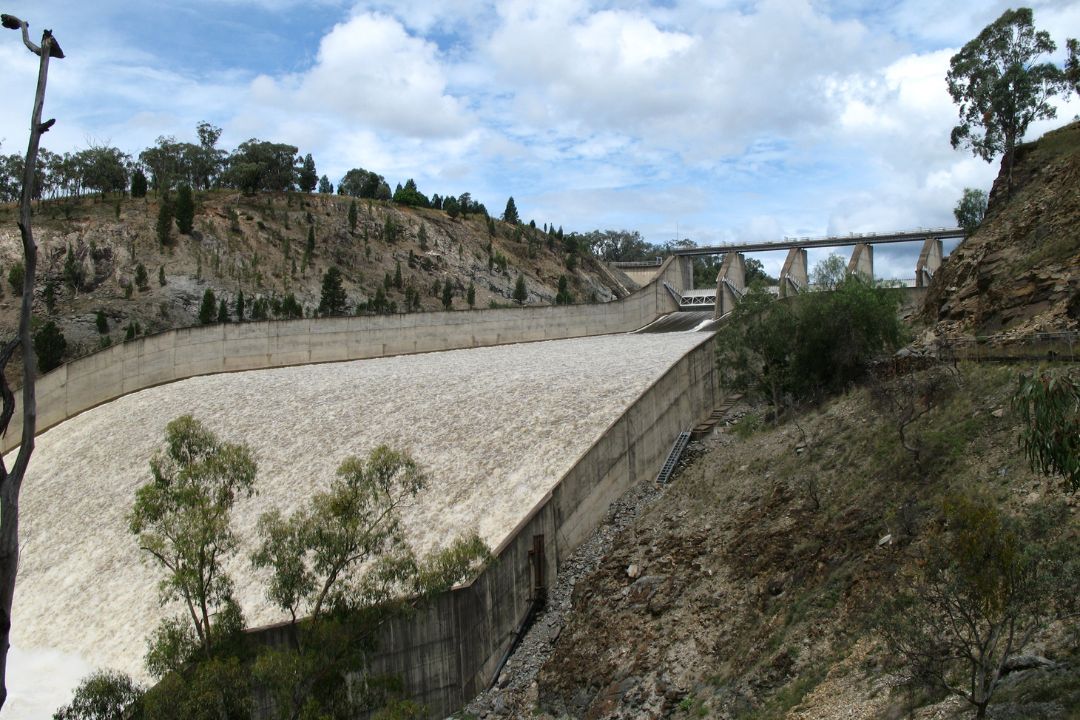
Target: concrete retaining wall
[
  {"x": 177, "y": 354},
  {"x": 450, "y": 649}
]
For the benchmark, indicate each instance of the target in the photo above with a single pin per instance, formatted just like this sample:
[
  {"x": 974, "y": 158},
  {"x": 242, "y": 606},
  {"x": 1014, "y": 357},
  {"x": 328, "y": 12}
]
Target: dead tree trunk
[{"x": 11, "y": 480}]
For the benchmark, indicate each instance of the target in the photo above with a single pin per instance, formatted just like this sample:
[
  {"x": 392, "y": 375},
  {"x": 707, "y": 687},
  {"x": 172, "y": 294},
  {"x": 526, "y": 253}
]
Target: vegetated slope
[
  {"x": 257, "y": 245},
  {"x": 749, "y": 589},
  {"x": 1018, "y": 272}
]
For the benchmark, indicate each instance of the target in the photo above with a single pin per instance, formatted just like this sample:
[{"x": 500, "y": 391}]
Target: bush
[
  {"x": 49, "y": 346},
  {"x": 185, "y": 210},
  {"x": 15, "y": 278},
  {"x": 103, "y": 695}
]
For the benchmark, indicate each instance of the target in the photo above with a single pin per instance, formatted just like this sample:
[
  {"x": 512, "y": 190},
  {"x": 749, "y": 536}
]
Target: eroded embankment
[{"x": 496, "y": 427}]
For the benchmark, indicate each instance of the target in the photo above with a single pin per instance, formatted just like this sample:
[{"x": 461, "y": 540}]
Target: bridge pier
[
  {"x": 794, "y": 277},
  {"x": 730, "y": 283},
  {"x": 862, "y": 261},
  {"x": 929, "y": 262}
]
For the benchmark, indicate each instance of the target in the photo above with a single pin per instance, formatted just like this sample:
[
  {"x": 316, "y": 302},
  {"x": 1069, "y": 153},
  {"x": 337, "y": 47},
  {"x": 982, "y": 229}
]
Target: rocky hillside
[
  {"x": 753, "y": 585},
  {"x": 1018, "y": 272},
  {"x": 257, "y": 245}
]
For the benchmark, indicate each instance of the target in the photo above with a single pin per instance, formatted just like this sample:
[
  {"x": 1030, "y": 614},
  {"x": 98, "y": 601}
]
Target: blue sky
[{"x": 713, "y": 120}]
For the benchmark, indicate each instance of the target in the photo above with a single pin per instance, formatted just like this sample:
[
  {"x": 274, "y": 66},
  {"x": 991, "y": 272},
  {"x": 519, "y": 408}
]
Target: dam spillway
[{"x": 495, "y": 427}]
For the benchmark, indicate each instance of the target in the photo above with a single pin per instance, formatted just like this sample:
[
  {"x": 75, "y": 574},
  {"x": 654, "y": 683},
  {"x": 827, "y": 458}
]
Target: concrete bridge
[{"x": 794, "y": 276}]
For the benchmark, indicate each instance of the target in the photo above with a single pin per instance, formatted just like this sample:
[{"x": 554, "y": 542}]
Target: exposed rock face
[{"x": 1018, "y": 272}]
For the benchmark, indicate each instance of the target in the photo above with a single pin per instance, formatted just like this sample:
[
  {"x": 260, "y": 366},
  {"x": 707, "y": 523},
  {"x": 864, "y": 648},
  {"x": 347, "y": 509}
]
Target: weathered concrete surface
[
  {"x": 862, "y": 261},
  {"x": 178, "y": 354},
  {"x": 450, "y": 650},
  {"x": 495, "y": 427}
]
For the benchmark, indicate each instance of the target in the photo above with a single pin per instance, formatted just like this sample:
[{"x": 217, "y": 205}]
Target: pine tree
[
  {"x": 185, "y": 210},
  {"x": 164, "y": 221},
  {"x": 510, "y": 214},
  {"x": 470, "y": 296},
  {"x": 222, "y": 312},
  {"x": 161, "y": 276},
  {"x": 352, "y": 215},
  {"x": 142, "y": 280},
  {"x": 49, "y": 346},
  {"x": 325, "y": 186},
  {"x": 333, "y": 297},
  {"x": 520, "y": 293},
  {"x": 102, "y": 322},
  {"x": 240, "y": 307},
  {"x": 447, "y": 295},
  {"x": 138, "y": 184},
  {"x": 208, "y": 307},
  {"x": 422, "y": 237},
  {"x": 309, "y": 249},
  {"x": 307, "y": 178},
  {"x": 397, "y": 276}
]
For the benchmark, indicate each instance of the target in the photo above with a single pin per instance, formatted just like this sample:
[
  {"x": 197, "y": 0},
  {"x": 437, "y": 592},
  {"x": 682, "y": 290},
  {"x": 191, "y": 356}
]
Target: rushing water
[{"x": 495, "y": 427}]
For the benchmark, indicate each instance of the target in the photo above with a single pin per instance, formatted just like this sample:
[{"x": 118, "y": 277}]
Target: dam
[{"x": 516, "y": 437}]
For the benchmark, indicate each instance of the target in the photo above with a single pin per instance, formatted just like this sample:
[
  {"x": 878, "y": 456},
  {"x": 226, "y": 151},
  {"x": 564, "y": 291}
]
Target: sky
[{"x": 713, "y": 120}]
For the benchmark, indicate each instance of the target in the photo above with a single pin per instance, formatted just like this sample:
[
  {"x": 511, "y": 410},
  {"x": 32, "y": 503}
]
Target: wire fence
[{"x": 1049, "y": 346}]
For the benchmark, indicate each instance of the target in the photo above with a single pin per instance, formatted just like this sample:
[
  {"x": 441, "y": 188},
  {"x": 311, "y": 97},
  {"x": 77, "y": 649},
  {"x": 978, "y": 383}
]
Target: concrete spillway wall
[
  {"x": 451, "y": 648},
  {"x": 177, "y": 354}
]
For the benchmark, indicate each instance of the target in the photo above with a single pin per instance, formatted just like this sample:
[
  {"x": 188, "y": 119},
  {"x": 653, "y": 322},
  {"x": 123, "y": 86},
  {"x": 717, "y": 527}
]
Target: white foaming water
[{"x": 495, "y": 428}]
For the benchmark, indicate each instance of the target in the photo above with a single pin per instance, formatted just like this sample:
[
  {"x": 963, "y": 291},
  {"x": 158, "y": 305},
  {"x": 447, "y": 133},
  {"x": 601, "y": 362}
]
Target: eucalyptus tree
[{"x": 1001, "y": 88}]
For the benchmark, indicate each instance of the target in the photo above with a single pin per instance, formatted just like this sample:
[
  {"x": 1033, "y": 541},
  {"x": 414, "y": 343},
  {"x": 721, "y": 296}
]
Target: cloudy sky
[{"x": 715, "y": 120}]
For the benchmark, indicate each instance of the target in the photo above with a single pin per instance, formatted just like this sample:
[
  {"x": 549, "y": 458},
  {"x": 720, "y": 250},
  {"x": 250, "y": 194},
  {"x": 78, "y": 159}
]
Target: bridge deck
[{"x": 825, "y": 242}]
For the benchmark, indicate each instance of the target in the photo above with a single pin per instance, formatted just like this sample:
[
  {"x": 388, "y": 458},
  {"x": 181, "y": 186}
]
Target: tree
[
  {"x": 306, "y": 177},
  {"x": 352, "y": 214},
  {"x": 223, "y": 311},
  {"x": 422, "y": 237},
  {"x": 1000, "y": 88},
  {"x": 1072, "y": 64},
  {"x": 11, "y": 479},
  {"x": 103, "y": 695},
  {"x": 185, "y": 210},
  {"x": 986, "y": 586},
  {"x": 970, "y": 209},
  {"x": 470, "y": 296},
  {"x": 259, "y": 165},
  {"x": 450, "y": 205},
  {"x": 101, "y": 322},
  {"x": 49, "y": 346},
  {"x": 510, "y": 214},
  {"x": 181, "y": 518},
  {"x": 520, "y": 293},
  {"x": 138, "y": 184},
  {"x": 829, "y": 273},
  {"x": 325, "y": 186},
  {"x": 104, "y": 169},
  {"x": 755, "y": 270},
  {"x": 164, "y": 221},
  {"x": 564, "y": 296},
  {"x": 142, "y": 280},
  {"x": 73, "y": 270},
  {"x": 1049, "y": 407},
  {"x": 161, "y": 276},
  {"x": 333, "y": 294},
  {"x": 398, "y": 282},
  {"x": 447, "y": 295},
  {"x": 314, "y": 555},
  {"x": 208, "y": 307},
  {"x": 240, "y": 307}
]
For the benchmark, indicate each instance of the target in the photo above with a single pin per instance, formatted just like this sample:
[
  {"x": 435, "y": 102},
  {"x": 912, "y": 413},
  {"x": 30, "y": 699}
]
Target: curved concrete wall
[
  {"x": 450, "y": 649},
  {"x": 177, "y": 354}
]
